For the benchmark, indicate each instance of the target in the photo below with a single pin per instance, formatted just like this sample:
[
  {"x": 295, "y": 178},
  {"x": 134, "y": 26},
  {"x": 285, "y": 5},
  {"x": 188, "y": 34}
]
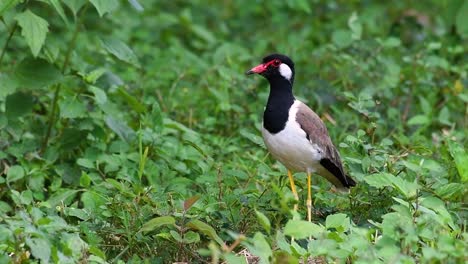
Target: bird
[{"x": 294, "y": 134}]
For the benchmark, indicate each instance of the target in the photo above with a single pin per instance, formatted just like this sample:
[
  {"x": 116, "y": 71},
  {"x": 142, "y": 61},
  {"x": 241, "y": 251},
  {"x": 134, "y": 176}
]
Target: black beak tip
[{"x": 249, "y": 72}]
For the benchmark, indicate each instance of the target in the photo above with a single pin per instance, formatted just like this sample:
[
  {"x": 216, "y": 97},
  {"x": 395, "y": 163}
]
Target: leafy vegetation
[{"x": 129, "y": 133}]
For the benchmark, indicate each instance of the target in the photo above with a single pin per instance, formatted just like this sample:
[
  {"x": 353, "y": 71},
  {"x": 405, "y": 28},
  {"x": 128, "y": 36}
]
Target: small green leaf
[
  {"x": 18, "y": 104},
  {"x": 419, "y": 120},
  {"x": 105, "y": 6},
  {"x": 99, "y": 95},
  {"x": 85, "y": 180},
  {"x": 302, "y": 229},
  {"x": 61, "y": 197},
  {"x": 157, "y": 222},
  {"x": 264, "y": 221},
  {"x": 355, "y": 25},
  {"x": 191, "y": 237},
  {"x": 120, "y": 128},
  {"x": 75, "y": 5},
  {"x": 34, "y": 29},
  {"x": 7, "y": 4},
  {"x": 338, "y": 221},
  {"x": 40, "y": 248},
  {"x": 380, "y": 180},
  {"x": 36, "y": 73},
  {"x": 460, "y": 157},
  {"x": 58, "y": 7},
  {"x": 205, "y": 229},
  {"x": 15, "y": 173},
  {"x": 72, "y": 108},
  {"x": 120, "y": 50},
  {"x": 8, "y": 85}
]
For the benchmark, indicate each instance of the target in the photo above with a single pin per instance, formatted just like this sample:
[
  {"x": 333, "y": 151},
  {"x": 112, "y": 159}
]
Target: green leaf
[
  {"x": 5, "y": 5},
  {"x": 120, "y": 50},
  {"x": 460, "y": 158},
  {"x": 342, "y": 38},
  {"x": 205, "y": 229},
  {"x": 120, "y": 128},
  {"x": 72, "y": 108},
  {"x": 355, "y": 25},
  {"x": 302, "y": 229},
  {"x": 419, "y": 120},
  {"x": 157, "y": 222},
  {"x": 8, "y": 85},
  {"x": 99, "y": 95},
  {"x": 105, "y": 6},
  {"x": 34, "y": 29},
  {"x": 40, "y": 248},
  {"x": 264, "y": 221},
  {"x": 131, "y": 100},
  {"x": 461, "y": 21},
  {"x": 18, "y": 104},
  {"x": 14, "y": 173},
  {"x": 36, "y": 73},
  {"x": 338, "y": 221},
  {"x": 380, "y": 180},
  {"x": 75, "y": 5},
  {"x": 58, "y": 7},
  {"x": 261, "y": 248},
  {"x": 61, "y": 197}
]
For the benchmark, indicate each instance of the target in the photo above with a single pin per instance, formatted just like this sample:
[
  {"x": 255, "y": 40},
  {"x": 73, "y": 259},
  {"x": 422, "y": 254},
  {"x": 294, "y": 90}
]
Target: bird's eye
[{"x": 276, "y": 63}]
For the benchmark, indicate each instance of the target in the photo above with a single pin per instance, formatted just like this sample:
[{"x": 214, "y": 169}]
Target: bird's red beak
[{"x": 257, "y": 69}]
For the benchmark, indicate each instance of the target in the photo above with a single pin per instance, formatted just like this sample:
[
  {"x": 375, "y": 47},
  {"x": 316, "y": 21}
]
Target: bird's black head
[{"x": 275, "y": 66}]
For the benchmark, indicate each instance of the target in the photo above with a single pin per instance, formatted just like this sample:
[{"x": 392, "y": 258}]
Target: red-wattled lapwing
[{"x": 294, "y": 134}]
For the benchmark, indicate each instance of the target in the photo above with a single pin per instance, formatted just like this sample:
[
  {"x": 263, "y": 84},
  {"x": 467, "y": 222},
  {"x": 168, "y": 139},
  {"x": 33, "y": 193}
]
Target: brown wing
[{"x": 317, "y": 133}]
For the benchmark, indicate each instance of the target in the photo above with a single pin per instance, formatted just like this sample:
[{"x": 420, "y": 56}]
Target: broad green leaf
[
  {"x": 99, "y": 95},
  {"x": 61, "y": 197},
  {"x": 14, "y": 173},
  {"x": 342, "y": 38},
  {"x": 261, "y": 248},
  {"x": 40, "y": 248},
  {"x": 233, "y": 259},
  {"x": 94, "y": 75},
  {"x": 157, "y": 222},
  {"x": 58, "y": 7},
  {"x": 205, "y": 229},
  {"x": 450, "y": 191},
  {"x": 302, "y": 229},
  {"x": 380, "y": 180},
  {"x": 419, "y": 120},
  {"x": 18, "y": 104},
  {"x": 75, "y": 5},
  {"x": 191, "y": 237},
  {"x": 190, "y": 201},
  {"x": 460, "y": 157},
  {"x": 120, "y": 50},
  {"x": 34, "y": 29},
  {"x": 104, "y": 6},
  {"x": 264, "y": 221},
  {"x": 338, "y": 221},
  {"x": 8, "y": 85},
  {"x": 461, "y": 21},
  {"x": 72, "y": 108},
  {"x": 35, "y": 74},
  {"x": 5, "y": 5},
  {"x": 120, "y": 128}
]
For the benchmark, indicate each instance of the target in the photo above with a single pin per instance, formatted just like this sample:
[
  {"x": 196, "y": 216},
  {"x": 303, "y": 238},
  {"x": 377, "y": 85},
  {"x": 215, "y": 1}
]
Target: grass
[{"x": 133, "y": 136}]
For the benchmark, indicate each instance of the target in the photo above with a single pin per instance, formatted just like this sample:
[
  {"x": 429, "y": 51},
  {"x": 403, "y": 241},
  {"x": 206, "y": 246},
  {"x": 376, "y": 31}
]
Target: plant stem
[
  {"x": 58, "y": 87},
  {"x": 12, "y": 32}
]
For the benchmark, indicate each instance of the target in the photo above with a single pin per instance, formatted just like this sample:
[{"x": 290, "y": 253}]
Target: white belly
[{"x": 291, "y": 146}]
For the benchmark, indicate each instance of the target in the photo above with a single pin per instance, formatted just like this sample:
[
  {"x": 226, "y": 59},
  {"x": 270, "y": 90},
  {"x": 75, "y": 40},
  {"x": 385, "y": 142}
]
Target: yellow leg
[
  {"x": 309, "y": 197},
  {"x": 293, "y": 189}
]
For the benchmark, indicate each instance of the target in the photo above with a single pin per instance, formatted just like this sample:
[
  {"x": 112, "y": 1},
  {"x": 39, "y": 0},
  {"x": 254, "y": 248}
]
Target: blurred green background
[{"x": 130, "y": 134}]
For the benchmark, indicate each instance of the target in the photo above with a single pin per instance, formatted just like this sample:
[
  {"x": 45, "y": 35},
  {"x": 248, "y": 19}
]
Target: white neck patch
[{"x": 285, "y": 71}]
